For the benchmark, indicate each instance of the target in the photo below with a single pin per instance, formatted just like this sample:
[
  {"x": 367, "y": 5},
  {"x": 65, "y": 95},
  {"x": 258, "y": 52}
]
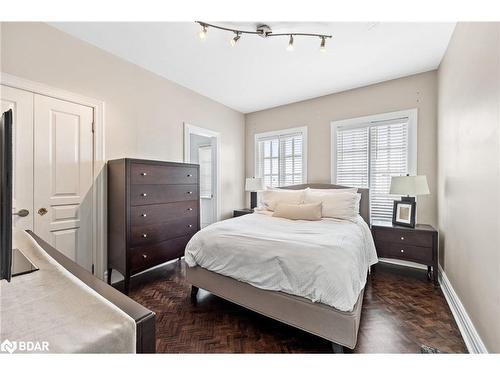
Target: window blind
[
  {"x": 279, "y": 159},
  {"x": 205, "y": 161},
  {"x": 368, "y": 154}
]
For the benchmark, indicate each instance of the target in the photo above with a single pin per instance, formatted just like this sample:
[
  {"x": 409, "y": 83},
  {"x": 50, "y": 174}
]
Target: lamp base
[
  {"x": 253, "y": 199},
  {"x": 408, "y": 199}
]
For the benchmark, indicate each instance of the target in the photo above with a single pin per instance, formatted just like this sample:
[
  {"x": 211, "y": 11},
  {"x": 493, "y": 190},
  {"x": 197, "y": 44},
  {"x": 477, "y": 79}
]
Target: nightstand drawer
[
  {"x": 405, "y": 237},
  {"x": 403, "y": 251}
]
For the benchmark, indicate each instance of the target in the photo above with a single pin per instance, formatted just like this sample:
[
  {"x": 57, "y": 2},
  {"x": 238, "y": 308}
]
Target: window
[
  {"x": 367, "y": 151},
  {"x": 205, "y": 160},
  {"x": 281, "y": 157}
]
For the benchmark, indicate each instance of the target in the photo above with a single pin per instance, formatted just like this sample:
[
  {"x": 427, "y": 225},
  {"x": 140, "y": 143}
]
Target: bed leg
[
  {"x": 337, "y": 348},
  {"x": 194, "y": 292}
]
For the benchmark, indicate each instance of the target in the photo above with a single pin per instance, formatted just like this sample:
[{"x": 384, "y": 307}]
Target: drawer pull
[
  {"x": 402, "y": 238},
  {"x": 144, "y": 215},
  {"x": 144, "y": 194},
  {"x": 190, "y": 175},
  {"x": 402, "y": 251},
  {"x": 190, "y": 192},
  {"x": 144, "y": 174},
  {"x": 144, "y": 256},
  {"x": 190, "y": 209},
  {"x": 190, "y": 225},
  {"x": 144, "y": 235}
]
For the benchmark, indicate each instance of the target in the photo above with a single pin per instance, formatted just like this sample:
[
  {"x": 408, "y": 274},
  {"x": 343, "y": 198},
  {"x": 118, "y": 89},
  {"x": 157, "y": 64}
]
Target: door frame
[
  {"x": 192, "y": 129},
  {"x": 99, "y": 214}
]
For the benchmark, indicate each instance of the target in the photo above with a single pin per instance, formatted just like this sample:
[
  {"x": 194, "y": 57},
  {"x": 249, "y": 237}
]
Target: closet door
[
  {"x": 21, "y": 103},
  {"x": 63, "y": 164}
]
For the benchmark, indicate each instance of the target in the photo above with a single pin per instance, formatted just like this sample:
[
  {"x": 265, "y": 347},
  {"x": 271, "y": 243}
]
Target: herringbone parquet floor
[{"x": 401, "y": 311}]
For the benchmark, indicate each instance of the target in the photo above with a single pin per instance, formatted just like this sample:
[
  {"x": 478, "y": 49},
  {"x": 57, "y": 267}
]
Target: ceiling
[{"x": 260, "y": 73}]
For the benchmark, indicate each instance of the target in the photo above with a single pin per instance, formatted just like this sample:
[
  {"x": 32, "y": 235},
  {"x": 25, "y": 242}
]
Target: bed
[{"x": 310, "y": 275}]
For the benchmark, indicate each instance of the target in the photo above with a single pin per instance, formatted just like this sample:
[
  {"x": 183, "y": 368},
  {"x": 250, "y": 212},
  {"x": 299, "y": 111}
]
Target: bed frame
[{"x": 339, "y": 327}]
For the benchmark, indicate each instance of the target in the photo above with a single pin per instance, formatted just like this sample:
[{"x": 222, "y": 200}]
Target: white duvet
[{"x": 324, "y": 261}]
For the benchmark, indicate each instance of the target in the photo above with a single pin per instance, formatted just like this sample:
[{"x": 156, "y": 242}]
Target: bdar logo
[{"x": 8, "y": 346}]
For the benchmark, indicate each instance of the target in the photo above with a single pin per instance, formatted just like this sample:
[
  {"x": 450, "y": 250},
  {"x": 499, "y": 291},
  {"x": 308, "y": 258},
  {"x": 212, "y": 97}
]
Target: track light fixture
[
  {"x": 290, "y": 44},
  {"x": 263, "y": 31},
  {"x": 235, "y": 39}
]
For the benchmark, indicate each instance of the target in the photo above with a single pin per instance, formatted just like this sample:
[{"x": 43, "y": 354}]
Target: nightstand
[
  {"x": 243, "y": 211},
  {"x": 419, "y": 245}
]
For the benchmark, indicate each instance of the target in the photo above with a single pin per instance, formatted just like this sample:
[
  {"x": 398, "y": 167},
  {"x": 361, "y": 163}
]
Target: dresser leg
[
  {"x": 110, "y": 270},
  {"x": 126, "y": 285},
  {"x": 194, "y": 293},
  {"x": 429, "y": 271}
]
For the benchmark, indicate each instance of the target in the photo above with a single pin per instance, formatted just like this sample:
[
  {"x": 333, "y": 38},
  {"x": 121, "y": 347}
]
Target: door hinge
[
  {"x": 93, "y": 126},
  {"x": 92, "y": 269}
]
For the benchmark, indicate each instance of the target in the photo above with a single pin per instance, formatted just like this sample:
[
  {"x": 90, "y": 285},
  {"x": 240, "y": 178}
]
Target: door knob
[
  {"x": 21, "y": 213},
  {"x": 42, "y": 211}
]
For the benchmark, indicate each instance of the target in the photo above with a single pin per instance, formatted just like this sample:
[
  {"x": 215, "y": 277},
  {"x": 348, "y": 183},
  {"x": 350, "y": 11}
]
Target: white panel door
[
  {"x": 21, "y": 103},
  {"x": 63, "y": 148}
]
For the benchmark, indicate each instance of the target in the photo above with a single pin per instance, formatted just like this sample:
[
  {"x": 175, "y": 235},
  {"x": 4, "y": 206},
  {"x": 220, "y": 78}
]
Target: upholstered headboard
[{"x": 364, "y": 204}]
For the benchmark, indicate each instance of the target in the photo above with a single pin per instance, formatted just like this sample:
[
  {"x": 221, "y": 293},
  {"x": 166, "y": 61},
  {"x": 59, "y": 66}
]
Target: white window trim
[
  {"x": 358, "y": 122},
  {"x": 282, "y": 132}
]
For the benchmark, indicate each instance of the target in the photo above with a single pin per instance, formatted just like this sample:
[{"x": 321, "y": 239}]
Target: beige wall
[
  {"x": 469, "y": 173},
  {"x": 144, "y": 113},
  {"x": 417, "y": 91}
]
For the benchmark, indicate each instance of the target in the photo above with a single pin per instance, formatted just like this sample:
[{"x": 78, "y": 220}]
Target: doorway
[{"x": 201, "y": 146}]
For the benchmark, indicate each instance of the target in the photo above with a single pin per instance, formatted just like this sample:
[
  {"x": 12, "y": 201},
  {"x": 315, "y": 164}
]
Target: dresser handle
[
  {"x": 402, "y": 238},
  {"x": 190, "y": 225},
  {"x": 190, "y": 209},
  {"x": 144, "y": 256},
  {"x": 402, "y": 251},
  {"x": 144, "y": 174},
  {"x": 144, "y": 194},
  {"x": 190, "y": 192},
  {"x": 144, "y": 235},
  {"x": 190, "y": 175},
  {"x": 144, "y": 215}
]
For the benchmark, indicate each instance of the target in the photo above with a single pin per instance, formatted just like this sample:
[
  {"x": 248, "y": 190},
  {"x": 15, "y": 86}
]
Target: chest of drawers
[
  {"x": 418, "y": 245},
  {"x": 153, "y": 211}
]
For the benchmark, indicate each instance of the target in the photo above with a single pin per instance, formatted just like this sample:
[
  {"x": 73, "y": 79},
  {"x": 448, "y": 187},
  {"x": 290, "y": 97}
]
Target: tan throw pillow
[{"x": 298, "y": 211}]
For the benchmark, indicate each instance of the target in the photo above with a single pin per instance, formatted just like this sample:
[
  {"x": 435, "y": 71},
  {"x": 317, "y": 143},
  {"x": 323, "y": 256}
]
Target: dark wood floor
[{"x": 401, "y": 311}]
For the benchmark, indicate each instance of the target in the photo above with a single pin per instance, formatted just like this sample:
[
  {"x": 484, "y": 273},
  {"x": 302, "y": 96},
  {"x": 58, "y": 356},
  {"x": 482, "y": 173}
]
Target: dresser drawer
[
  {"x": 160, "y": 213},
  {"x": 152, "y": 194},
  {"x": 403, "y": 251},
  {"x": 151, "y": 174},
  {"x": 144, "y": 257},
  {"x": 404, "y": 237},
  {"x": 148, "y": 234}
]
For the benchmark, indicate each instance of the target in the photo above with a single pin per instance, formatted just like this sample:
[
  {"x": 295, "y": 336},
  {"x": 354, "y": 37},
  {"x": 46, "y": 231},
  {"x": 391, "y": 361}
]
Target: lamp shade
[
  {"x": 254, "y": 184},
  {"x": 409, "y": 185}
]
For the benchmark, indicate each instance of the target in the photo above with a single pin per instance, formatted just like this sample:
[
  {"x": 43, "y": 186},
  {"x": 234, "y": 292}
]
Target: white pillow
[
  {"x": 343, "y": 205},
  {"x": 271, "y": 197}
]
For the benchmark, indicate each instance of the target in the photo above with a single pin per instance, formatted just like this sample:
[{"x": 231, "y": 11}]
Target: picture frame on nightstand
[{"x": 403, "y": 213}]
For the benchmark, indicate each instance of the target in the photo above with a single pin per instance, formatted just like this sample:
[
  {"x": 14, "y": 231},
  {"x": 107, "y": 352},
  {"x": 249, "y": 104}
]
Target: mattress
[{"x": 324, "y": 261}]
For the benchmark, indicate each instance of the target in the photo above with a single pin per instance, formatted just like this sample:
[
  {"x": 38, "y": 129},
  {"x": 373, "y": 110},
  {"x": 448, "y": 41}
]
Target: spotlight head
[
  {"x": 203, "y": 32},
  {"x": 290, "y": 44},
  {"x": 322, "y": 46},
  {"x": 235, "y": 39}
]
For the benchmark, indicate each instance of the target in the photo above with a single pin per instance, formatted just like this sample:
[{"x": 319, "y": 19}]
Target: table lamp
[
  {"x": 253, "y": 185},
  {"x": 408, "y": 187}
]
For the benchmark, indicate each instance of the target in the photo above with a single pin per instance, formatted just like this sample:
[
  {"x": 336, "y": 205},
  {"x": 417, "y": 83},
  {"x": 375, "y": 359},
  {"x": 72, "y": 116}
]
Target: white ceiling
[{"x": 259, "y": 73}]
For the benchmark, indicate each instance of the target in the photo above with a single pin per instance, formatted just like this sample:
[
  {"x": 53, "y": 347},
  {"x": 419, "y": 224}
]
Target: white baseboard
[{"x": 469, "y": 333}]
